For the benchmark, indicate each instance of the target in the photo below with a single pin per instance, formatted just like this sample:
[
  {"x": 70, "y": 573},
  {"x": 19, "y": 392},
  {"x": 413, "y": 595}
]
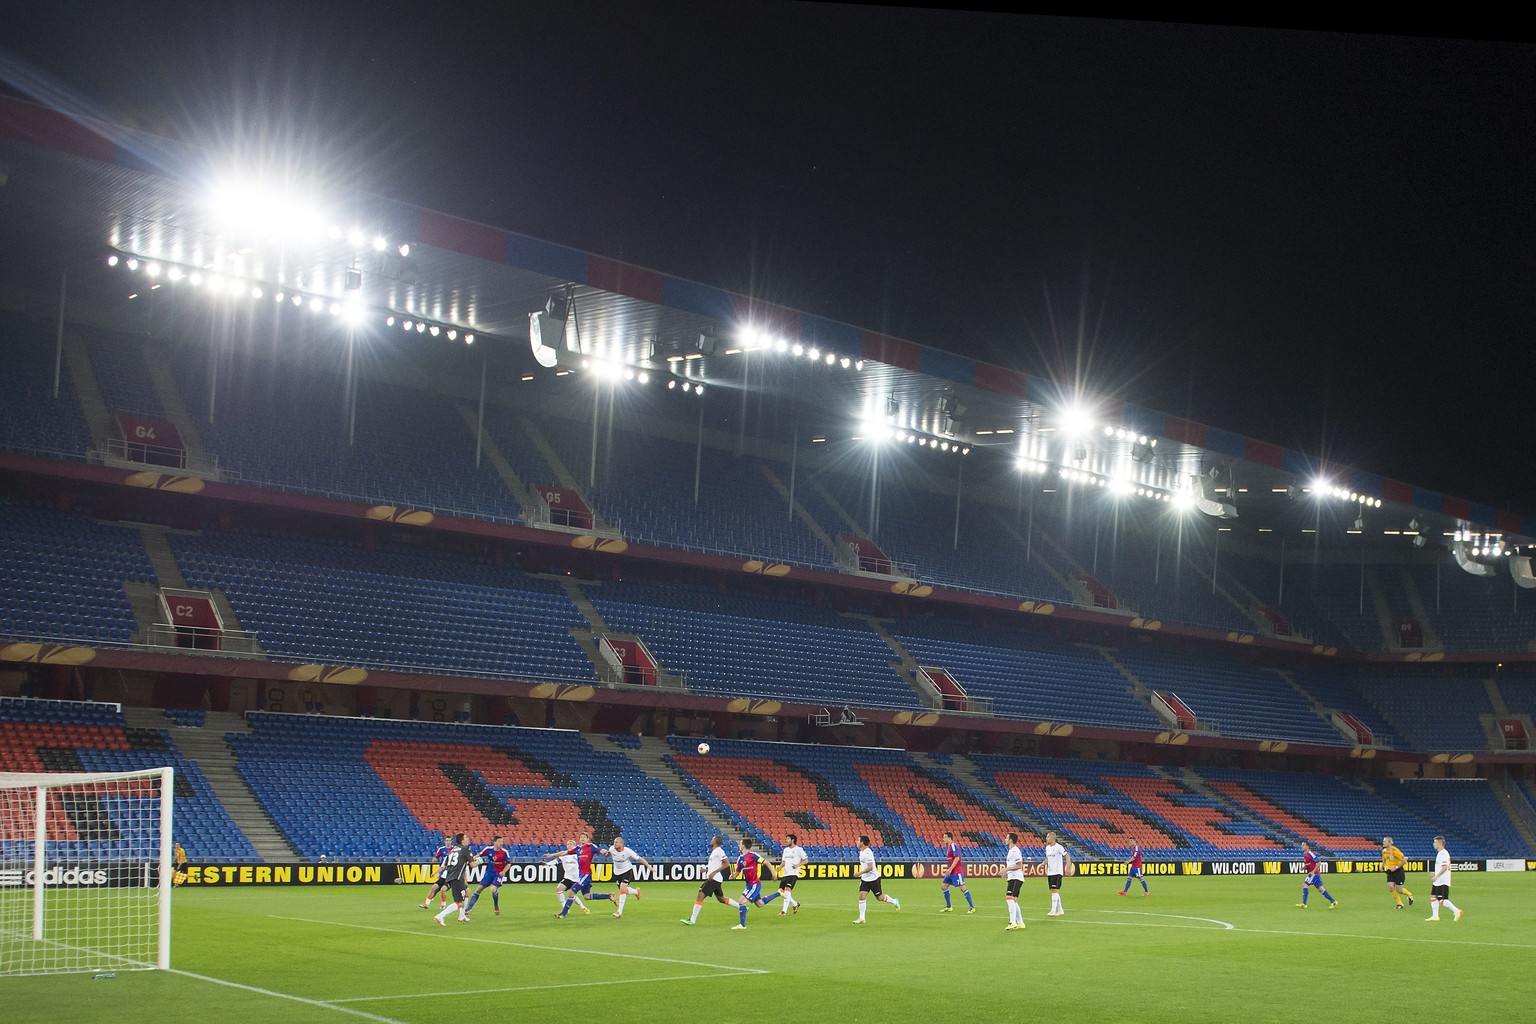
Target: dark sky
[{"x": 1324, "y": 240}]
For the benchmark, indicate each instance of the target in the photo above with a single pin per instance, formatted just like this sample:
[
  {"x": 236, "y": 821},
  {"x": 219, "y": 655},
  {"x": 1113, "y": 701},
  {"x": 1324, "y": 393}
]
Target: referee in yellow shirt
[{"x": 1392, "y": 864}]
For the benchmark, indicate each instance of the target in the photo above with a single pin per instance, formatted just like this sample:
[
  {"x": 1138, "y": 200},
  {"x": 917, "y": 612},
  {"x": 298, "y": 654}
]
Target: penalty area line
[
  {"x": 284, "y": 995},
  {"x": 540, "y": 988},
  {"x": 733, "y": 968}
]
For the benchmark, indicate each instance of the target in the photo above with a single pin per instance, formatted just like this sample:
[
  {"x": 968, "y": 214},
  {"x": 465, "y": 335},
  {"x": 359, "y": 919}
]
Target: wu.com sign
[{"x": 81, "y": 876}]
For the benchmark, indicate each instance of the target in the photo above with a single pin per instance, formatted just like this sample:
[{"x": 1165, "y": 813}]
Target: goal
[{"x": 85, "y": 871}]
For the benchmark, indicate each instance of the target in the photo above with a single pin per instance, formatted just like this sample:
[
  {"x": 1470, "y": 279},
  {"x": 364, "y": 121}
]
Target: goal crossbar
[{"x": 86, "y": 871}]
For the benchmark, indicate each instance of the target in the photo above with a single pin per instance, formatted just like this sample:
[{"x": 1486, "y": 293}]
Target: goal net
[{"x": 85, "y": 871}]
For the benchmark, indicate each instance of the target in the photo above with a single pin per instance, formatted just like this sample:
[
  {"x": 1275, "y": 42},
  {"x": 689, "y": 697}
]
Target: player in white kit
[
  {"x": 869, "y": 879},
  {"x": 624, "y": 861},
  {"x": 1014, "y": 865},
  {"x": 714, "y": 874},
  {"x": 790, "y": 862},
  {"x": 571, "y": 870},
  {"x": 1440, "y": 883},
  {"x": 1058, "y": 862}
]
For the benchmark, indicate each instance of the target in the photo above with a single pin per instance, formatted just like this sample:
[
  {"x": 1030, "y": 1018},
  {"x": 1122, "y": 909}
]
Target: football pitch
[{"x": 1197, "y": 949}]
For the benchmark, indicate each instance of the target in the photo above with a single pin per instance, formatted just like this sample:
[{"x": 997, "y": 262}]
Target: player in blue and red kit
[
  {"x": 496, "y": 860},
  {"x": 439, "y": 857},
  {"x": 1134, "y": 872},
  {"x": 1313, "y": 866},
  {"x": 584, "y": 852},
  {"x": 954, "y": 875},
  {"x": 749, "y": 866}
]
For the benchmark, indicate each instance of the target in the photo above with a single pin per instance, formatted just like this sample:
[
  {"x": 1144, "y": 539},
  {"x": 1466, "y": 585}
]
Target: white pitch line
[
  {"x": 291, "y": 998},
  {"x": 526, "y": 945},
  {"x": 534, "y": 988},
  {"x": 1178, "y": 917},
  {"x": 1393, "y": 938}
]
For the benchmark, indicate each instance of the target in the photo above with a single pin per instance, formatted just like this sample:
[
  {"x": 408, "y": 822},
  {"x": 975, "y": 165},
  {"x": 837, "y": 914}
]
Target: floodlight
[
  {"x": 152, "y": 270},
  {"x": 421, "y": 328},
  {"x": 389, "y": 321},
  {"x": 858, "y": 364},
  {"x": 317, "y": 304},
  {"x": 1183, "y": 500},
  {"x": 687, "y": 385},
  {"x": 298, "y": 300},
  {"x": 356, "y": 238},
  {"x": 1074, "y": 420},
  {"x": 404, "y": 250},
  {"x": 469, "y": 339},
  {"x": 256, "y": 292},
  {"x": 335, "y": 309},
  {"x": 175, "y": 274},
  {"x": 813, "y": 353},
  {"x": 112, "y": 260},
  {"x": 280, "y": 297},
  {"x": 453, "y": 335},
  {"x": 644, "y": 377},
  {"x": 379, "y": 243},
  {"x": 409, "y": 325},
  {"x": 798, "y": 349},
  {"x": 845, "y": 361},
  {"x": 133, "y": 264}
]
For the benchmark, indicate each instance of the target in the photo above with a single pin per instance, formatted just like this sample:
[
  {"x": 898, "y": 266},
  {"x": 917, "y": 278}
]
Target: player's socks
[
  {"x": 742, "y": 907},
  {"x": 580, "y": 904},
  {"x": 1327, "y": 896},
  {"x": 496, "y": 900},
  {"x": 565, "y": 908},
  {"x": 1144, "y": 890},
  {"x": 1398, "y": 899},
  {"x": 946, "y": 899},
  {"x": 474, "y": 898},
  {"x": 771, "y": 897},
  {"x": 444, "y": 912},
  {"x": 861, "y": 911},
  {"x": 602, "y": 896},
  {"x": 968, "y": 901},
  {"x": 696, "y": 908},
  {"x": 1303, "y": 895},
  {"x": 893, "y": 901},
  {"x": 623, "y": 895}
]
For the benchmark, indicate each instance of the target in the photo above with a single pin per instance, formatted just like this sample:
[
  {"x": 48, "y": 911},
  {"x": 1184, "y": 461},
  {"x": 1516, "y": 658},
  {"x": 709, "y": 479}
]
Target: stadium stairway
[
  {"x": 650, "y": 758},
  {"x": 156, "y": 360},
  {"x": 206, "y": 745},
  {"x": 1382, "y": 609},
  {"x": 1432, "y": 640},
  {"x": 1191, "y": 780},
  {"x": 515, "y": 484},
  {"x": 587, "y": 638},
  {"x": 962, "y": 768},
  {"x": 146, "y": 599},
  {"x": 1311, "y": 702},
  {"x": 801, "y": 512},
  {"x": 905, "y": 665},
  {"x": 98, "y": 419}
]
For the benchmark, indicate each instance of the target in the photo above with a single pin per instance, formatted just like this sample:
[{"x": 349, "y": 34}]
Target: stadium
[{"x": 378, "y": 525}]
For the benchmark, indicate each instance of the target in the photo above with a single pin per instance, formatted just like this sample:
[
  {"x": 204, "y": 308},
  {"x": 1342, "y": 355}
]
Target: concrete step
[{"x": 649, "y": 759}]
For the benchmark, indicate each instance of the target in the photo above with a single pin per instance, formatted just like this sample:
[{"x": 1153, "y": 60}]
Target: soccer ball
[{"x": 703, "y": 748}]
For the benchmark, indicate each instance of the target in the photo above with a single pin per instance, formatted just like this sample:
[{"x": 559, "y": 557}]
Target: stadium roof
[{"x": 76, "y": 190}]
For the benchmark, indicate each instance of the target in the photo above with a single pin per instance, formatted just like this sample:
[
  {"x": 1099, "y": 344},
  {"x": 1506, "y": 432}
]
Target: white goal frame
[{"x": 43, "y": 787}]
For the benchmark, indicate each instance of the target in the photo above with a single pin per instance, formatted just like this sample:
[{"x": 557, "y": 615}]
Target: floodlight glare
[
  {"x": 798, "y": 349},
  {"x": 175, "y": 274},
  {"x": 1183, "y": 500},
  {"x": 133, "y": 264},
  {"x": 112, "y": 261},
  {"x": 389, "y": 321},
  {"x": 298, "y": 300},
  {"x": 256, "y": 292},
  {"x": 404, "y": 250},
  {"x": 672, "y": 384},
  {"x": 845, "y": 361},
  {"x": 434, "y": 330},
  {"x": 1074, "y": 420},
  {"x": 379, "y": 244},
  {"x": 280, "y": 297},
  {"x": 316, "y": 304},
  {"x": 421, "y": 328},
  {"x": 644, "y": 378},
  {"x": 469, "y": 339}
]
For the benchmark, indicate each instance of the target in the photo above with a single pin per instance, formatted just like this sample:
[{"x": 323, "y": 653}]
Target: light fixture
[{"x": 112, "y": 260}]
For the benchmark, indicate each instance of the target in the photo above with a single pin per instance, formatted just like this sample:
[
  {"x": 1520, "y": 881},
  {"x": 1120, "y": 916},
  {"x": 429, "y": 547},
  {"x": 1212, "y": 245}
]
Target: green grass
[{"x": 1164, "y": 958}]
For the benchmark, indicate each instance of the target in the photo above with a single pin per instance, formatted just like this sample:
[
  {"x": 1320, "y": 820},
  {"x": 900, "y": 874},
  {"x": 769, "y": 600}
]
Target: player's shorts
[
  {"x": 710, "y": 887},
  {"x": 491, "y": 877},
  {"x": 627, "y": 878},
  {"x": 788, "y": 881},
  {"x": 582, "y": 885},
  {"x": 457, "y": 887},
  {"x": 1133, "y": 873},
  {"x": 873, "y": 887},
  {"x": 955, "y": 879},
  {"x": 1440, "y": 892},
  {"x": 1395, "y": 876},
  {"x": 753, "y": 892},
  {"x": 1316, "y": 880},
  {"x": 1014, "y": 885},
  {"x": 569, "y": 884},
  {"x": 1054, "y": 881}
]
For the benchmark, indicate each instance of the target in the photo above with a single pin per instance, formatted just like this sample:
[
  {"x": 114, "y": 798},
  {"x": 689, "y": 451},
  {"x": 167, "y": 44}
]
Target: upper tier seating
[
  {"x": 390, "y": 606},
  {"x": 66, "y": 736},
  {"x": 1432, "y": 712},
  {"x": 646, "y": 483},
  {"x": 751, "y": 645},
  {"x": 289, "y": 431},
  {"x": 1027, "y": 674},
  {"x": 1238, "y": 699},
  {"x": 1337, "y": 692},
  {"x": 64, "y": 575},
  {"x": 32, "y": 421},
  {"x": 378, "y": 789}
]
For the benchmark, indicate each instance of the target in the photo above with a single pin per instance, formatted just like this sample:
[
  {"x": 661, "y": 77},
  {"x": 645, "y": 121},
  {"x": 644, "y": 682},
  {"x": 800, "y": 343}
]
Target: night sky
[{"x": 1323, "y": 240}]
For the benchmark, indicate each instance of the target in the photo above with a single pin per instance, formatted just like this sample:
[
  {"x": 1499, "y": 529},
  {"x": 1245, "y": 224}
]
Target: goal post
[{"x": 86, "y": 871}]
